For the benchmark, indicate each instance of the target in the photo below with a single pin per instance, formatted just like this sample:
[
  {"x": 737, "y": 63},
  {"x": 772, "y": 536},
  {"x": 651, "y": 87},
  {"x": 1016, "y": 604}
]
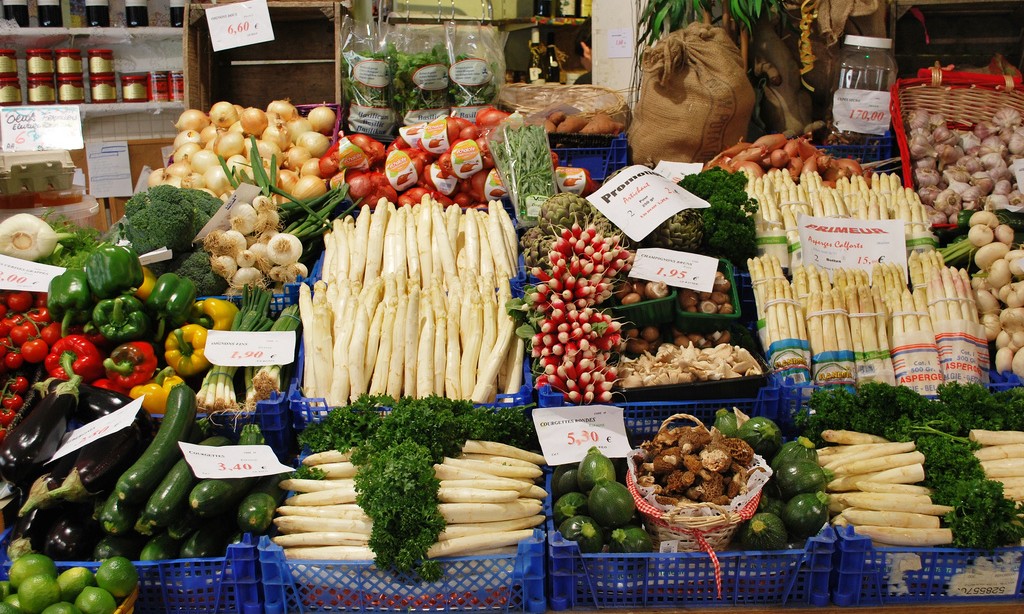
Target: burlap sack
[{"x": 695, "y": 99}]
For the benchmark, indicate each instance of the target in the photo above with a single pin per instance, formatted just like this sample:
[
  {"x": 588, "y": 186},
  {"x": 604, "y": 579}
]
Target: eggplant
[
  {"x": 96, "y": 402},
  {"x": 39, "y": 494},
  {"x": 73, "y": 536},
  {"x": 29, "y": 532},
  {"x": 30, "y": 444}
]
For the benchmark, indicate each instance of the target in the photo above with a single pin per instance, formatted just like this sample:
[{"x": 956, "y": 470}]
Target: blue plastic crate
[
  {"x": 274, "y": 419},
  {"x": 227, "y": 584},
  {"x": 874, "y": 149},
  {"x": 499, "y": 583},
  {"x": 307, "y": 410},
  {"x": 867, "y": 575},
  {"x": 687, "y": 579},
  {"x": 745, "y": 290},
  {"x": 600, "y": 162},
  {"x": 643, "y": 419}
]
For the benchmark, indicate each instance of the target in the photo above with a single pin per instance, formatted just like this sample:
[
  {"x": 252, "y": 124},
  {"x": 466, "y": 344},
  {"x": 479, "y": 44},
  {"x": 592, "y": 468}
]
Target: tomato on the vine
[
  {"x": 13, "y": 360},
  {"x": 40, "y": 299},
  {"x": 12, "y": 402},
  {"x": 39, "y": 315},
  {"x": 50, "y": 333},
  {"x": 7, "y": 415},
  {"x": 35, "y": 351},
  {"x": 19, "y": 384},
  {"x": 20, "y": 301},
  {"x": 23, "y": 332}
]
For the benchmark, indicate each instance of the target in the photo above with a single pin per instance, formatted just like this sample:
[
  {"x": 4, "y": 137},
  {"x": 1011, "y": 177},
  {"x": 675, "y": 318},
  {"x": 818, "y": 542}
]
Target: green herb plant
[
  {"x": 729, "y": 229},
  {"x": 421, "y": 84},
  {"x": 523, "y": 158}
]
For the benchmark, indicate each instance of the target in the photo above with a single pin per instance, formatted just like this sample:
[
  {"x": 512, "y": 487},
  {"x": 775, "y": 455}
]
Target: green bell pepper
[
  {"x": 69, "y": 299},
  {"x": 170, "y": 302},
  {"x": 121, "y": 319},
  {"x": 113, "y": 270}
]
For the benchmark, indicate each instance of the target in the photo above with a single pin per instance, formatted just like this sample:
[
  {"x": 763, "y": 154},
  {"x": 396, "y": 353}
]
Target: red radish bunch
[{"x": 574, "y": 341}]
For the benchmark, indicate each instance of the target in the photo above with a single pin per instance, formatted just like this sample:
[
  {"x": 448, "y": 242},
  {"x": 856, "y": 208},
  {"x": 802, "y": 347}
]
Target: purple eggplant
[
  {"x": 72, "y": 536},
  {"x": 96, "y": 402},
  {"x": 30, "y": 444}
]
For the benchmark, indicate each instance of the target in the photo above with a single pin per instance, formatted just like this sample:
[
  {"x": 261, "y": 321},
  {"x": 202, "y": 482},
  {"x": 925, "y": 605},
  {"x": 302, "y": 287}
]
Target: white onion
[
  {"x": 283, "y": 109},
  {"x": 277, "y": 135},
  {"x": 322, "y": 119},
  {"x": 310, "y": 167},
  {"x": 171, "y": 180},
  {"x": 187, "y": 136},
  {"x": 309, "y": 187},
  {"x": 208, "y": 134},
  {"x": 254, "y": 121},
  {"x": 157, "y": 177},
  {"x": 314, "y": 142},
  {"x": 186, "y": 151},
  {"x": 203, "y": 160},
  {"x": 230, "y": 144},
  {"x": 268, "y": 149},
  {"x": 236, "y": 127},
  {"x": 223, "y": 114},
  {"x": 192, "y": 119},
  {"x": 286, "y": 180},
  {"x": 193, "y": 181}
]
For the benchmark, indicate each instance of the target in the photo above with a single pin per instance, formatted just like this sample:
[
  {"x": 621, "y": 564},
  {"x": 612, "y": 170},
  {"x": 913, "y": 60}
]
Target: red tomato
[
  {"x": 22, "y": 333},
  {"x": 3, "y": 310},
  {"x": 40, "y": 299},
  {"x": 7, "y": 416},
  {"x": 50, "y": 333},
  {"x": 12, "y": 403},
  {"x": 39, "y": 315},
  {"x": 35, "y": 351},
  {"x": 20, "y": 301},
  {"x": 19, "y": 384},
  {"x": 13, "y": 360}
]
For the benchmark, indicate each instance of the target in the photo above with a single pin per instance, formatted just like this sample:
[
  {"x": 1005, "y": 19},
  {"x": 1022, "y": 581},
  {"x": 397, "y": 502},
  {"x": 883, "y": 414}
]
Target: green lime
[
  {"x": 62, "y": 608},
  {"x": 37, "y": 593},
  {"x": 6, "y": 608},
  {"x": 72, "y": 581},
  {"x": 13, "y": 600},
  {"x": 94, "y": 600},
  {"x": 31, "y": 565},
  {"x": 117, "y": 575}
]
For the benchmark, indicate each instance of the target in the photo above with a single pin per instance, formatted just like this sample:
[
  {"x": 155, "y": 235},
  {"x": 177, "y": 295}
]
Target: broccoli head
[
  {"x": 196, "y": 266},
  {"x": 161, "y": 223}
]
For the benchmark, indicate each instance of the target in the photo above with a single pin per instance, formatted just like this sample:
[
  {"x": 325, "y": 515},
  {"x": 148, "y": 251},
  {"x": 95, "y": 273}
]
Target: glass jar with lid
[{"x": 860, "y": 101}]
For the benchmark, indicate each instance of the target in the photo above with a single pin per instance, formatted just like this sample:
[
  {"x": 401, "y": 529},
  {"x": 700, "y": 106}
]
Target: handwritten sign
[
  {"x": 220, "y": 220},
  {"x": 18, "y": 274},
  {"x": 679, "y": 269},
  {"x": 239, "y": 24},
  {"x": 227, "y": 348},
  {"x": 42, "y": 128},
  {"x": 99, "y": 428},
  {"x": 231, "y": 461},
  {"x": 863, "y": 111},
  {"x": 566, "y": 433},
  {"x": 620, "y": 43},
  {"x": 638, "y": 200},
  {"x": 675, "y": 171},
  {"x": 833, "y": 243},
  {"x": 110, "y": 172}
]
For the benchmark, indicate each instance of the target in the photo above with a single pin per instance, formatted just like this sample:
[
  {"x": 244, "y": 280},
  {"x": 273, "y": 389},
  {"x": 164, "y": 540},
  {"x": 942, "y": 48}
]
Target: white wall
[{"x": 613, "y": 73}]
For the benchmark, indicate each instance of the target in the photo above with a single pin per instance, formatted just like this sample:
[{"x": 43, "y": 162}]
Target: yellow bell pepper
[
  {"x": 183, "y": 350},
  {"x": 148, "y": 281},
  {"x": 214, "y": 313},
  {"x": 155, "y": 391}
]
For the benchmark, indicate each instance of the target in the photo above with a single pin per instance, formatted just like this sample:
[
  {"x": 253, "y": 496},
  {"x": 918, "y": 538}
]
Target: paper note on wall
[{"x": 110, "y": 172}]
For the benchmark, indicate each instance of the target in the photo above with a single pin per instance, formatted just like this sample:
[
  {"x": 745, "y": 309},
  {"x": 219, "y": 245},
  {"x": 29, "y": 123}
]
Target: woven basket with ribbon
[
  {"x": 963, "y": 99},
  {"x": 704, "y": 527}
]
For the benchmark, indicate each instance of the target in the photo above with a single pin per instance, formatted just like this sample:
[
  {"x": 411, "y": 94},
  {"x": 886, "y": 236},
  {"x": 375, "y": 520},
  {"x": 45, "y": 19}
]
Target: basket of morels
[{"x": 695, "y": 485}]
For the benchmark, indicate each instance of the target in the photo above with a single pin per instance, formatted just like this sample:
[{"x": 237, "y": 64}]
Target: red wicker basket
[{"x": 963, "y": 98}]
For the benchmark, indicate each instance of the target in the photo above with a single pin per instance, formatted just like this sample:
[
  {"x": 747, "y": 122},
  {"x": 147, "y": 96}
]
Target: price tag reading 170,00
[
  {"x": 231, "y": 461},
  {"x": 566, "y": 433},
  {"x": 242, "y": 349},
  {"x": 239, "y": 24},
  {"x": 18, "y": 274}
]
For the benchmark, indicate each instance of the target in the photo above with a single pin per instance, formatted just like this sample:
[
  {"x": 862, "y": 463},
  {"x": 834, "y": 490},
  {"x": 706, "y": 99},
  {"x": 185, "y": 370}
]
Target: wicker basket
[
  {"x": 964, "y": 99},
  {"x": 589, "y": 99},
  {"x": 128, "y": 605}
]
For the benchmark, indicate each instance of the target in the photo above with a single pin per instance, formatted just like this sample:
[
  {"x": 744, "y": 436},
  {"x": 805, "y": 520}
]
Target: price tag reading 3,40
[
  {"x": 231, "y": 461},
  {"x": 566, "y": 433},
  {"x": 227, "y": 348},
  {"x": 239, "y": 24},
  {"x": 679, "y": 269},
  {"x": 18, "y": 274}
]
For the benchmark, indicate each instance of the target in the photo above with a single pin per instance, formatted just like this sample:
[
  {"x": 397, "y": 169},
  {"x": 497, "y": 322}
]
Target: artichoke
[{"x": 682, "y": 232}]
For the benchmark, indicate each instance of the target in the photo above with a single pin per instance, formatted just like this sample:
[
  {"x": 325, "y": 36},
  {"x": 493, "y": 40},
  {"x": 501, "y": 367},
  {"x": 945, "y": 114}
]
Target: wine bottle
[
  {"x": 538, "y": 71},
  {"x": 49, "y": 14},
  {"x": 17, "y": 11},
  {"x": 554, "y": 70}
]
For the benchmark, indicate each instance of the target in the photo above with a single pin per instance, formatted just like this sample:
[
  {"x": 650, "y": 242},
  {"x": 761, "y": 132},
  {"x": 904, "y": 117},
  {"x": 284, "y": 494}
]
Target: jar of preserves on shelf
[
  {"x": 40, "y": 89},
  {"x": 10, "y": 91},
  {"x": 101, "y": 62},
  {"x": 159, "y": 86},
  {"x": 8, "y": 63},
  {"x": 69, "y": 62},
  {"x": 39, "y": 62},
  {"x": 102, "y": 89},
  {"x": 70, "y": 89},
  {"x": 177, "y": 81},
  {"x": 134, "y": 88}
]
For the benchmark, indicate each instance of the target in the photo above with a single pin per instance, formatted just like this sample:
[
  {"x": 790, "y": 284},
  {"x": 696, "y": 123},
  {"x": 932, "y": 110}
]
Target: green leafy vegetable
[
  {"x": 523, "y": 158},
  {"x": 309, "y": 473},
  {"x": 729, "y": 230},
  {"x": 72, "y": 251},
  {"x": 345, "y": 427},
  {"x": 421, "y": 84}
]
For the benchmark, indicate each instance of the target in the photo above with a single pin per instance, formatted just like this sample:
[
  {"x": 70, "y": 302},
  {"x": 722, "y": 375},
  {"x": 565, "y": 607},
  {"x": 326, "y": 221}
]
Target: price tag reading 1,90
[
  {"x": 239, "y": 24},
  {"x": 566, "y": 433},
  {"x": 243, "y": 349}
]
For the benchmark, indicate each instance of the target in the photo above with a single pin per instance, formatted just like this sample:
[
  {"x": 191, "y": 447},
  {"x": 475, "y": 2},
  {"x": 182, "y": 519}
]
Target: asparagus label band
[
  {"x": 790, "y": 358},
  {"x": 915, "y": 359},
  {"x": 962, "y": 350}
]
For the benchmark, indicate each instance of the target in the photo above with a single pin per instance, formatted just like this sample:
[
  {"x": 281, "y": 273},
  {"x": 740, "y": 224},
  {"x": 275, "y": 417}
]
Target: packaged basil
[
  {"x": 476, "y": 53},
  {"x": 421, "y": 73},
  {"x": 368, "y": 71}
]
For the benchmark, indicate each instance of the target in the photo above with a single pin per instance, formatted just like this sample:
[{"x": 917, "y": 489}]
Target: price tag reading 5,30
[
  {"x": 231, "y": 461},
  {"x": 239, "y": 24},
  {"x": 680, "y": 269},
  {"x": 18, "y": 274},
  {"x": 227, "y": 348},
  {"x": 566, "y": 433}
]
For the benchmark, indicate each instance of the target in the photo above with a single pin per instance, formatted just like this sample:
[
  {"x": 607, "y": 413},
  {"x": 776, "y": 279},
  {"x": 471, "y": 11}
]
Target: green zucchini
[
  {"x": 213, "y": 497},
  {"x": 118, "y": 517},
  {"x": 160, "y": 547},
  {"x": 256, "y": 511},
  {"x": 801, "y": 476},
  {"x": 593, "y": 467},
  {"x": 764, "y": 531},
  {"x": 210, "y": 539},
  {"x": 568, "y": 505},
  {"x": 136, "y": 484},
  {"x": 564, "y": 480},
  {"x": 801, "y": 448},
  {"x": 725, "y": 422},
  {"x": 183, "y": 524},
  {"x": 630, "y": 539},
  {"x": 129, "y": 546},
  {"x": 805, "y": 514},
  {"x": 170, "y": 499}
]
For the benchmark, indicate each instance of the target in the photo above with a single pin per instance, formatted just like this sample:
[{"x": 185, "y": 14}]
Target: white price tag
[
  {"x": 834, "y": 243},
  {"x": 566, "y": 433},
  {"x": 42, "y": 128},
  {"x": 1017, "y": 168},
  {"x": 978, "y": 583},
  {"x": 863, "y": 111},
  {"x": 239, "y": 24},
  {"x": 638, "y": 200},
  {"x": 245, "y": 193},
  {"x": 18, "y": 274},
  {"x": 231, "y": 461},
  {"x": 679, "y": 269},
  {"x": 157, "y": 255},
  {"x": 671, "y": 545},
  {"x": 100, "y": 427},
  {"x": 675, "y": 171},
  {"x": 228, "y": 348}
]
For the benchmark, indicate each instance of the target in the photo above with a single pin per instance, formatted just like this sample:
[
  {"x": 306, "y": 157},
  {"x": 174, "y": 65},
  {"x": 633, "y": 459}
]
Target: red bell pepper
[
  {"x": 130, "y": 364},
  {"x": 87, "y": 361}
]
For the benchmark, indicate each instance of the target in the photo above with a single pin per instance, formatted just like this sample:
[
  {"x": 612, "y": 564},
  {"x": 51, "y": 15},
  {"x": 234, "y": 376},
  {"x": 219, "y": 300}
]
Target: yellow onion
[
  {"x": 193, "y": 181},
  {"x": 230, "y": 144},
  {"x": 192, "y": 119},
  {"x": 268, "y": 149},
  {"x": 297, "y": 127},
  {"x": 178, "y": 169},
  {"x": 216, "y": 181},
  {"x": 254, "y": 121},
  {"x": 208, "y": 134},
  {"x": 236, "y": 127},
  {"x": 188, "y": 136},
  {"x": 237, "y": 161},
  {"x": 277, "y": 135},
  {"x": 309, "y": 187},
  {"x": 286, "y": 180},
  {"x": 171, "y": 180},
  {"x": 310, "y": 167},
  {"x": 155, "y": 178},
  {"x": 283, "y": 109},
  {"x": 186, "y": 151},
  {"x": 322, "y": 119},
  {"x": 223, "y": 114},
  {"x": 295, "y": 157},
  {"x": 202, "y": 160},
  {"x": 314, "y": 142}
]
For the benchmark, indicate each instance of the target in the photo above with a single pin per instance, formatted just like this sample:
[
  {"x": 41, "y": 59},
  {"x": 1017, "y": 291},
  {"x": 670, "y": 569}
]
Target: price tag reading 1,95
[
  {"x": 679, "y": 269},
  {"x": 231, "y": 461},
  {"x": 566, "y": 433},
  {"x": 243, "y": 349},
  {"x": 239, "y": 24},
  {"x": 18, "y": 274}
]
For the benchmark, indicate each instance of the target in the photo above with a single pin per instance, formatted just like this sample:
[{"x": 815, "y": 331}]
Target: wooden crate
[{"x": 302, "y": 63}]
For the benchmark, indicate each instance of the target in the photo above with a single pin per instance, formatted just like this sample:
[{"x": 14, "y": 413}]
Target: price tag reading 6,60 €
[
  {"x": 239, "y": 24},
  {"x": 566, "y": 433},
  {"x": 231, "y": 461},
  {"x": 227, "y": 348}
]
